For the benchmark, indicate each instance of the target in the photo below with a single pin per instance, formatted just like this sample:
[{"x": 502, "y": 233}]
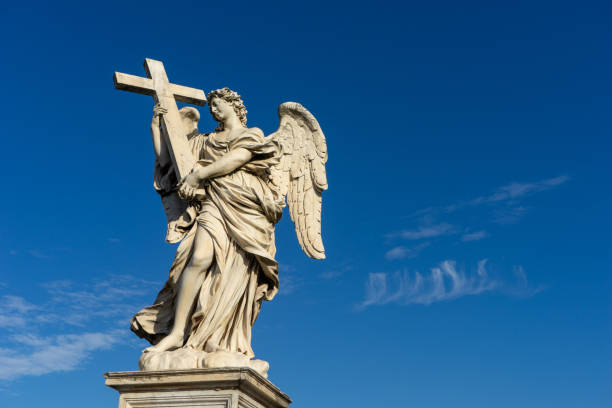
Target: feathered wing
[
  {"x": 300, "y": 176},
  {"x": 179, "y": 214},
  {"x": 180, "y": 217}
]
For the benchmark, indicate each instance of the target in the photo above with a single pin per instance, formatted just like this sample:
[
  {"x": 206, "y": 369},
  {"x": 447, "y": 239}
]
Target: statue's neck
[{"x": 232, "y": 123}]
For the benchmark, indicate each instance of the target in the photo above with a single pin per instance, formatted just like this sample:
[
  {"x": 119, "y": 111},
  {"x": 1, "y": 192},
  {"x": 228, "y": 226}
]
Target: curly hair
[{"x": 233, "y": 98}]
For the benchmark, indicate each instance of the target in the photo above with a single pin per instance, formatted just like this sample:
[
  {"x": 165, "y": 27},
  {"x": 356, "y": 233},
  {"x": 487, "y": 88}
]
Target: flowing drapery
[{"x": 239, "y": 213}]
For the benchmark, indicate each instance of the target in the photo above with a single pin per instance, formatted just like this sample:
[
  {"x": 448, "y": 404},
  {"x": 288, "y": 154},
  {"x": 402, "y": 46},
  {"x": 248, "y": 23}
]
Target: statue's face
[{"x": 221, "y": 110}]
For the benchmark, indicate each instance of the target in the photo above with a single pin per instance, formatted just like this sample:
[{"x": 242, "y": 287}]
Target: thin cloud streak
[
  {"x": 35, "y": 253},
  {"x": 36, "y": 345},
  {"x": 517, "y": 190},
  {"x": 443, "y": 283},
  {"x": 510, "y": 192},
  {"x": 403, "y": 252},
  {"x": 509, "y": 215},
  {"x": 428, "y": 231},
  {"x": 474, "y": 236},
  {"x": 290, "y": 284},
  {"x": 503, "y": 207},
  {"x": 77, "y": 306},
  {"x": 291, "y": 279},
  {"x": 337, "y": 271},
  {"x": 13, "y": 310},
  {"x": 43, "y": 355},
  {"x": 522, "y": 288}
]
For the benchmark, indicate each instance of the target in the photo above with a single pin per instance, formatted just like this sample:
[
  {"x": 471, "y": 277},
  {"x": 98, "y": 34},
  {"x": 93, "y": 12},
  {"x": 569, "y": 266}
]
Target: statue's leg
[{"x": 189, "y": 284}]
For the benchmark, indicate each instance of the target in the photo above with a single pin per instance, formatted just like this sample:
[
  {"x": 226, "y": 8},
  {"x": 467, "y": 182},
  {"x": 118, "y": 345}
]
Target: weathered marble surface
[
  {"x": 211, "y": 388},
  {"x": 223, "y": 193},
  {"x": 186, "y": 358}
]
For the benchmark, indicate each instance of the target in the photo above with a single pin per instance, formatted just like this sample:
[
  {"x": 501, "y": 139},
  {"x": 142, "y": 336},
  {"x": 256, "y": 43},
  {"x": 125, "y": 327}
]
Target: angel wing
[
  {"x": 300, "y": 175},
  {"x": 179, "y": 214},
  {"x": 180, "y": 217}
]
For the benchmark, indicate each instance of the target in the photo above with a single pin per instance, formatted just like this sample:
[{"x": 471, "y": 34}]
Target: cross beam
[{"x": 166, "y": 94}]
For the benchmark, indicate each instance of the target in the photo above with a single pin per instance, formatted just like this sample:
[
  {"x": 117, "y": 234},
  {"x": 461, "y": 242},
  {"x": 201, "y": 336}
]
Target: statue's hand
[
  {"x": 189, "y": 187},
  {"x": 193, "y": 179},
  {"x": 158, "y": 112},
  {"x": 187, "y": 192}
]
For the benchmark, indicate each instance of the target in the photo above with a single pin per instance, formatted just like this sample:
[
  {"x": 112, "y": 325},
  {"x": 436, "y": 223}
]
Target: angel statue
[{"x": 223, "y": 213}]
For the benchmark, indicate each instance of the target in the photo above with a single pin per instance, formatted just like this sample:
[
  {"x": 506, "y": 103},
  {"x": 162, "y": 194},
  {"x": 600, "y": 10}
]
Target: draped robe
[{"x": 239, "y": 213}]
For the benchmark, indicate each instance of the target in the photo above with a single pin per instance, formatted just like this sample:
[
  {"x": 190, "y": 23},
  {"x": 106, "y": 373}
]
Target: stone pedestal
[{"x": 210, "y": 388}]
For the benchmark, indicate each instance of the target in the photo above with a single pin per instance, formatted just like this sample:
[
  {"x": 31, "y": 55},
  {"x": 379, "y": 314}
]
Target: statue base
[
  {"x": 213, "y": 388},
  {"x": 187, "y": 358}
]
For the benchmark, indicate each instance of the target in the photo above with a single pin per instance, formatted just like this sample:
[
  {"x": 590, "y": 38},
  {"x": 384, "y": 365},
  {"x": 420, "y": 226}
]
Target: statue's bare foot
[{"x": 170, "y": 342}]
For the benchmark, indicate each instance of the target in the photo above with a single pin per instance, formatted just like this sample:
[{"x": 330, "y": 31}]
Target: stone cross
[{"x": 166, "y": 94}]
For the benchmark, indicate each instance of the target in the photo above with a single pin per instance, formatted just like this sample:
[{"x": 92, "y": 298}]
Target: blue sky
[{"x": 466, "y": 224}]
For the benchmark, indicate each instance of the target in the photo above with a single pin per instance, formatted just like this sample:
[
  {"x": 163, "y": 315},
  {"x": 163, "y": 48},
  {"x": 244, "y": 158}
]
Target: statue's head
[{"x": 230, "y": 98}]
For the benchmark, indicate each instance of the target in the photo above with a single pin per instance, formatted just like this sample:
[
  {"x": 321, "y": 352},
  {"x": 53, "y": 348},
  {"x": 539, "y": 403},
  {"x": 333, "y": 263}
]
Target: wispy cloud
[
  {"x": 38, "y": 254},
  {"x": 510, "y": 192},
  {"x": 425, "y": 231},
  {"x": 42, "y": 355},
  {"x": 515, "y": 190},
  {"x": 76, "y": 305},
  {"x": 502, "y": 206},
  {"x": 522, "y": 287},
  {"x": 16, "y": 304},
  {"x": 474, "y": 236},
  {"x": 56, "y": 335},
  {"x": 289, "y": 284},
  {"x": 443, "y": 283},
  {"x": 328, "y": 275},
  {"x": 509, "y": 214},
  {"x": 13, "y": 311},
  {"x": 48, "y": 253},
  {"x": 290, "y": 280},
  {"x": 403, "y": 252},
  {"x": 337, "y": 271}
]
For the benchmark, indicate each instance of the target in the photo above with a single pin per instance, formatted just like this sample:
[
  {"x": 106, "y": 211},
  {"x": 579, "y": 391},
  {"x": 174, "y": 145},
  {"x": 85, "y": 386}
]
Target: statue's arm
[
  {"x": 159, "y": 147},
  {"x": 231, "y": 161},
  {"x": 191, "y": 185}
]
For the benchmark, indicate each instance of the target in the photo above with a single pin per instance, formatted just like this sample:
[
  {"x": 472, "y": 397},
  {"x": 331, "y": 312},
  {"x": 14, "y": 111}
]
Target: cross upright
[{"x": 166, "y": 94}]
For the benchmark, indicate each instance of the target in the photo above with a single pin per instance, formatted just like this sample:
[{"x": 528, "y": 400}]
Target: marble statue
[{"x": 223, "y": 193}]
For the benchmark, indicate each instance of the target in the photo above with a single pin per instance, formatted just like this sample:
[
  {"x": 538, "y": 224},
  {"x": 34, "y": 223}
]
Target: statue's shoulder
[
  {"x": 254, "y": 130},
  {"x": 255, "y": 134},
  {"x": 248, "y": 138}
]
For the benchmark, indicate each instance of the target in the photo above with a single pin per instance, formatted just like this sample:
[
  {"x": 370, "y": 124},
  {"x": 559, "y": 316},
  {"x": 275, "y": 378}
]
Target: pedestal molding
[{"x": 245, "y": 381}]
